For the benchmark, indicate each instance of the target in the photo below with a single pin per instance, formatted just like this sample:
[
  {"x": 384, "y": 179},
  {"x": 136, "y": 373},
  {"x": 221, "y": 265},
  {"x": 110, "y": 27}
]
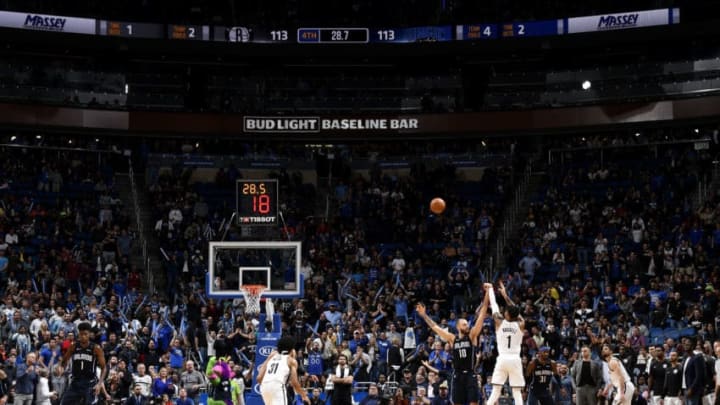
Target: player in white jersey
[
  {"x": 277, "y": 370},
  {"x": 509, "y": 328},
  {"x": 618, "y": 377}
]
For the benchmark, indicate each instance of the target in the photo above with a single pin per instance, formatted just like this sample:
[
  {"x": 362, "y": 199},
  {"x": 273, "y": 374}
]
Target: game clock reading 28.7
[{"x": 257, "y": 202}]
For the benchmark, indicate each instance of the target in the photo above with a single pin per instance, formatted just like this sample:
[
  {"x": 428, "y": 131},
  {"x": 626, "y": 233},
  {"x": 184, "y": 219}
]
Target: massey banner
[
  {"x": 318, "y": 124},
  {"x": 45, "y": 22},
  {"x": 621, "y": 21}
]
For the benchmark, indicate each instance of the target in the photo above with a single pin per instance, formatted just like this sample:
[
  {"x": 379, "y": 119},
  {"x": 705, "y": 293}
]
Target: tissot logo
[
  {"x": 45, "y": 22},
  {"x": 266, "y": 350}
]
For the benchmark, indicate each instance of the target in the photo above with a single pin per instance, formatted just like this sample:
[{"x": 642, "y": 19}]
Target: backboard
[{"x": 273, "y": 264}]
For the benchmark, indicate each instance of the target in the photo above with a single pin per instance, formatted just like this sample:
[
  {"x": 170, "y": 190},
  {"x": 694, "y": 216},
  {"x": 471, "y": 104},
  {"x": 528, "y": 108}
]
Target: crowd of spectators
[
  {"x": 609, "y": 253},
  {"x": 619, "y": 254}
]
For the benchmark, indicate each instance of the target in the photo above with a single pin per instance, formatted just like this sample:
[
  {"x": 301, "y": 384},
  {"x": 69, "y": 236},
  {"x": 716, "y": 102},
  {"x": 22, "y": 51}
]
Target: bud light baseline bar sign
[
  {"x": 46, "y": 22},
  {"x": 319, "y": 124},
  {"x": 625, "y": 20}
]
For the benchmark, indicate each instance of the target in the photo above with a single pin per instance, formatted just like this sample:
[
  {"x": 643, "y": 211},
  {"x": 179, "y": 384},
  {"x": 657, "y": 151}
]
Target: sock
[
  {"x": 495, "y": 395},
  {"x": 517, "y": 396}
]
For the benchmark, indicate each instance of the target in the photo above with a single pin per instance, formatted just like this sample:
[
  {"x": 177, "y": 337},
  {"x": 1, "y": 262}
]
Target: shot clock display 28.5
[{"x": 257, "y": 202}]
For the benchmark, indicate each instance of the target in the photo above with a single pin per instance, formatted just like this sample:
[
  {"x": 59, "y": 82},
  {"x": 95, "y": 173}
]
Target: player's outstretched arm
[
  {"x": 429, "y": 367},
  {"x": 481, "y": 314},
  {"x": 503, "y": 293},
  {"x": 101, "y": 363},
  {"x": 295, "y": 382},
  {"x": 444, "y": 335}
]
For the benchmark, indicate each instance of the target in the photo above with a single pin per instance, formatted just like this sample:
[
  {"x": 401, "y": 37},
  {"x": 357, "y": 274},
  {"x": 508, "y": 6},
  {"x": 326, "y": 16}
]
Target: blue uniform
[{"x": 315, "y": 363}]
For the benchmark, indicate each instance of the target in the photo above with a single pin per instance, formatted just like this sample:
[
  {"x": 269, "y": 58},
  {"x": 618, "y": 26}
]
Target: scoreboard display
[
  {"x": 131, "y": 29},
  {"x": 533, "y": 28},
  {"x": 189, "y": 32},
  {"x": 344, "y": 35},
  {"x": 333, "y": 35},
  {"x": 257, "y": 202}
]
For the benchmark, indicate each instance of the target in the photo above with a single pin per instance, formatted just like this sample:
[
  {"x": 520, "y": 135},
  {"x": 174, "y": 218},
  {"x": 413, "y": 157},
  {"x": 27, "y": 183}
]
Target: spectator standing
[
  {"x": 162, "y": 384},
  {"x": 26, "y": 378},
  {"x": 529, "y": 265},
  {"x": 58, "y": 382},
  {"x": 183, "y": 398},
  {"x": 342, "y": 380},
  {"x": 43, "y": 394},
  {"x": 588, "y": 376},
  {"x": 192, "y": 381},
  {"x": 136, "y": 398}
]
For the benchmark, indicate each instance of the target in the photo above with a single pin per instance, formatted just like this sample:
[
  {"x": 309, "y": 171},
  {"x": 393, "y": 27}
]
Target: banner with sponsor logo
[
  {"x": 625, "y": 20},
  {"x": 46, "y": 22},
  {"x": 318, "y": 124},
  {"x": 266, "y": 343}
]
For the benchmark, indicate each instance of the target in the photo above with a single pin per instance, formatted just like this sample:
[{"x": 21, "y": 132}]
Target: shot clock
[{"x": 257, "y": 202}]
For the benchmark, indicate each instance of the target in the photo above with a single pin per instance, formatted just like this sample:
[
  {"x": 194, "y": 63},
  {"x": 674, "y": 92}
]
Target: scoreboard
[
  {"x": 257, "y": 202},
  {"x": 332, "y": 35},
  {"x": 341, "y": 35}
]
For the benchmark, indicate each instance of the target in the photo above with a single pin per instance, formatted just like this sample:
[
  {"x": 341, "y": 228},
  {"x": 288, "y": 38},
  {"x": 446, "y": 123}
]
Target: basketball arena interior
[{"x": 199, "y": 180}]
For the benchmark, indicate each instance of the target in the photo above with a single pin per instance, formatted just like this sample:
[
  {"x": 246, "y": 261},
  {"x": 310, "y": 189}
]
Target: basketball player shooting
[
  {"x": 277, "y": 370},
  {"x": 509, "y": 328},
  {"x": 464, "y": 383}
]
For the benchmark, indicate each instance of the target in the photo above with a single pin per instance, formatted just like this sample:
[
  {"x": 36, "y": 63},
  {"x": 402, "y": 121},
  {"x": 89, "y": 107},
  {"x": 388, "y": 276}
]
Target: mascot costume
[{"x": 224, "y": 391}]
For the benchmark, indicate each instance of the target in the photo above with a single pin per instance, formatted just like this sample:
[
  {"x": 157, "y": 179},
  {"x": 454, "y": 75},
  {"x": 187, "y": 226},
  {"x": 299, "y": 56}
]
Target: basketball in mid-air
[{"x": 437, "y": 205}]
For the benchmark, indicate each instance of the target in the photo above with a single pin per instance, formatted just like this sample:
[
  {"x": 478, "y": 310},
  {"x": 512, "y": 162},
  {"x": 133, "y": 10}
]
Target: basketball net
[{"x": 252, "y": 293}]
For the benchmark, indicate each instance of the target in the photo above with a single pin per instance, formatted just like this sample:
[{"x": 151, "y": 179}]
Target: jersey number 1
[{"x": 509, "y": 341}]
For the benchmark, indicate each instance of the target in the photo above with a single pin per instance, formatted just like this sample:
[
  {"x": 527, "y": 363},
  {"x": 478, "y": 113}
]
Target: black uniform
[
  {"x": 83, "y": 366},
  {"x": 464, "y": 386},
  {"x": 658, "y": 369},
  {"x": 673, "y": 381},
  {"x": 540, "y": 384}
]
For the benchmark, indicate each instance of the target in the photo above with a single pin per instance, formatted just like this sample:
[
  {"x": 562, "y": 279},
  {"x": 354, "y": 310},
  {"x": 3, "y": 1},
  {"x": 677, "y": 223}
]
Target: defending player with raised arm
[
  {"x": 464, "y": 383},
  {"x": 84, "y": 357},
  {"x": 509, "y": 328},
  {"x": 275, "y": 372}
]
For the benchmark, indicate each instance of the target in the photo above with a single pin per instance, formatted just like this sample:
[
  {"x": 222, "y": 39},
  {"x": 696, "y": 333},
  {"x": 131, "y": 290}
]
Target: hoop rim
[{"x": 253, "y": 289}]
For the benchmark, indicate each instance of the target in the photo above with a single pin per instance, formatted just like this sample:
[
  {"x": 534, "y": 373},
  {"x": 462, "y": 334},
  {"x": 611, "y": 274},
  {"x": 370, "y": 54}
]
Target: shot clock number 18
[{"x": 257, "y": 202}]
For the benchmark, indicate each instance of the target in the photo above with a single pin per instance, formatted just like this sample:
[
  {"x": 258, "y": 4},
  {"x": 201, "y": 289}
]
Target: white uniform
[
  {"x": 274, "y": 386},
  {"x": 618, "y": 378},
  {"x": 508, "y": 364}
]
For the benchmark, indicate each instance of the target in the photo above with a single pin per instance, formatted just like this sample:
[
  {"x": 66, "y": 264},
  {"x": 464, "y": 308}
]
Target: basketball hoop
[{"x": 252, "y": 293}]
